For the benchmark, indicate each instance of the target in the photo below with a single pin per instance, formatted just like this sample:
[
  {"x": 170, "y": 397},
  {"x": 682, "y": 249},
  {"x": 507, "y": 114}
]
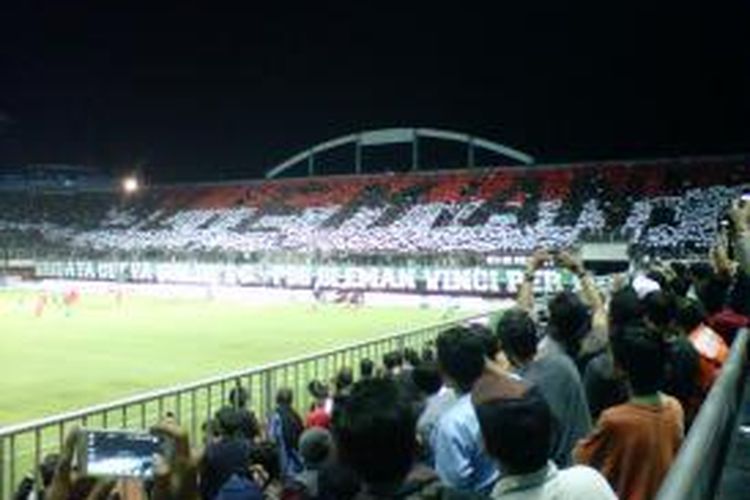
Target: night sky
[{"x": 194, "y": 91}]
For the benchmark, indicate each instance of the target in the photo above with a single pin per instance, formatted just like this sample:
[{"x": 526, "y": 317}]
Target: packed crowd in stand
[
  {"x": 660, "y": 207},
  {"x": 593, "y": 405}
]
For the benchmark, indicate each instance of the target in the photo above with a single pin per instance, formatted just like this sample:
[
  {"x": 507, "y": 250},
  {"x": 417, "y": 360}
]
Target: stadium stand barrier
[
  {"x": 696, "y": 471},
  {"x": 23, "y": 446}
]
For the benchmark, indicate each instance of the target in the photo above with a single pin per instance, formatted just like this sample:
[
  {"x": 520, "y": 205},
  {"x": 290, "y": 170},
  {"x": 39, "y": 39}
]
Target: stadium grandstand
[
  {"x": 667, "y": 208},
  {"x": 55, "y": 176},
  {"x": 556, "y": 374}
]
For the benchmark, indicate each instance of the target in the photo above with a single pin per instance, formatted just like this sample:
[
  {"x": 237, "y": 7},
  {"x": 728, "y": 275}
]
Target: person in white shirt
[{"x": 518, "y": 434}]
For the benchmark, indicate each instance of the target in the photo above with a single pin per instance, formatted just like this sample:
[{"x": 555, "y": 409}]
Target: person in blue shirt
[
  {"x": 460, "y": 459},
  {"x": 284, "y": 428}
]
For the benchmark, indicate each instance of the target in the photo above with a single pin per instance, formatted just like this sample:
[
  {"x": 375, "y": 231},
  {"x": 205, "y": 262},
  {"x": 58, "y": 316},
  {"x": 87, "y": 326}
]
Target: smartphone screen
[{"x": 118, "y": 453}]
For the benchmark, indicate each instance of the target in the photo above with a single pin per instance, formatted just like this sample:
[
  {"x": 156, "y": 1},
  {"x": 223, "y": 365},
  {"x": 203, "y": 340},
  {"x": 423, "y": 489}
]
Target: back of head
[
  {"x": 461, "y": 356},
  {"x": 374, "y": 430},
  {"x": 426, "y": 377},
  {"x": 47, "y": 468},
  {"x": 569, "y": 319},
  {"x": 660, "y": 309},
  {"x": 428, "y": 353},
  {"x": 700, "y": 271},
  {"x": 412, "y": 356},
  {"x": 284, "y": 397},
  {"x": 228, "y": 421},
  {"x": 316, "y": 447},
  {"x": 690, "y": 314},
  {"x": 625, "y": 309},
  {"x": 713, "y": 293},
  {"x": 366, "y": 368},
  {"x": 680, "y": 282},
  {"x": 489, "y": 341},
  {"x": 517, "y": 334},
  {"x": 641, "y": 353},
  {"x": 238, "y": 396},
  {"x": 317, "y": 389},
  {"x": 392, "y": 360},
  {"x": 344, "y": 379},
  {"x": 517, "y": 432}
]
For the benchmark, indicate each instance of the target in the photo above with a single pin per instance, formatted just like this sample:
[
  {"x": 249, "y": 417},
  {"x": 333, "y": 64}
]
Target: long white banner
[{"x": 490, "y": 280}]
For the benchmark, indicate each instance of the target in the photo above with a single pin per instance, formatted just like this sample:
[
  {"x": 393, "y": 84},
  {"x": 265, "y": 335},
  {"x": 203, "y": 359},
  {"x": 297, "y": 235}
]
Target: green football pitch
[{"x": 97, "y": 350}]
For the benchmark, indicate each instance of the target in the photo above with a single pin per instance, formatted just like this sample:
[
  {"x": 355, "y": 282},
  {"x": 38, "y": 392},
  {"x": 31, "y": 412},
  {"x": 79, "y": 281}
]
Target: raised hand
[
  {"x": 739, "y": 212},
  {"x": 537, "y": 260},
  {"x": 176, "y": 478},
  {"x": 570, "y": 262},
  {"x": 66, "y": 485}
]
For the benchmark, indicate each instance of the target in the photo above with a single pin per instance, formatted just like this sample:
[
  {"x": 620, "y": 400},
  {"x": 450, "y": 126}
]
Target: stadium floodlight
[{"x": 130, "y": 185}]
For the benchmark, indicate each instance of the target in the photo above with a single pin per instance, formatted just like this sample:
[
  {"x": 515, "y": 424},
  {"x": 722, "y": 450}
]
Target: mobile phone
[{"x": 118, "y": 453}]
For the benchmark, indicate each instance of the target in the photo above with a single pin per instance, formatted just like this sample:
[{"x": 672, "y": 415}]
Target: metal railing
[
  {"x": 23, "y": 446},
  {"x": 695, "y": 473}
]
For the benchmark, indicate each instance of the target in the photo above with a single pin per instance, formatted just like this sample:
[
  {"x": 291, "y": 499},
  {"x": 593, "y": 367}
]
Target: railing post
[
  {"x": 12, "y": 462},
  {"x": 2, "y": 467},
  {"x": 268, "y": 389},
  {"x": 37, "y": 460}
]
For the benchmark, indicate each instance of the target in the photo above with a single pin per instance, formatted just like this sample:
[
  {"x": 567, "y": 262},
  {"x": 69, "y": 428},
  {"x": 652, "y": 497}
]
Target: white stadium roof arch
[{"x": 387, "y": 136}]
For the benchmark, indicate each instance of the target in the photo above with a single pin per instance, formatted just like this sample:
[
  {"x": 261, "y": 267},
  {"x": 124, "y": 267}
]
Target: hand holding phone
[
  {"x": 118, "y": 453},
  {"x": 65, "y": 482}
]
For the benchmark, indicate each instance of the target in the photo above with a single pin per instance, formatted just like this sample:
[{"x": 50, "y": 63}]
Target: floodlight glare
[{"x": 130, "y": 184}]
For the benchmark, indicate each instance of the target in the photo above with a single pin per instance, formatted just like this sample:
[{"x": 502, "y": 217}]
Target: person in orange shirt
[
  {"x": 712, "y": 349},
  {"x": 635, "y": 443}
]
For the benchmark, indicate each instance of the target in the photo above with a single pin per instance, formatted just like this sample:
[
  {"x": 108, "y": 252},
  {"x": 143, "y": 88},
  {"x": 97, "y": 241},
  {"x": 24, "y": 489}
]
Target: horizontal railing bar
[{"x": 158, "y": 393}]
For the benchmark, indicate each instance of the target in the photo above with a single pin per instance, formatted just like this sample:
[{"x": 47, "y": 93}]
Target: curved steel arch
[{"x": 379, "y": 137}]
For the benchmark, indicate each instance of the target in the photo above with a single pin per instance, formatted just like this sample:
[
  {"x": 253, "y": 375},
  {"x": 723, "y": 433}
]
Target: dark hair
[
  {"x": 47, "y": 468},
  {"x": 284, "y": 397},
  {"x": 679, "y": 268},
  {"x": 713, "y": 293},
  {"x": 228, "y": 421},
  {"x": 238, "y": 396},
  {"x": 641, "y": 353},
  {"x": 392, "y": 360},
  {"x": 344, "y": 378},
  {"x": 701, "y": 271},
  {"x": 682, "y": 370},
  {"x": 517, "y": 432},
  {"x": 426, "y": 377},
  {"x": 489, "y": 341},
  {"x": 660, "y": 308},
  {"x": 317, "y": 389},
  {"x": 428, "y": 353},
  {"x": 366, "y": 367},
  {"x": 624, "y": 308},
  {"x": 569, "y": 320},
  {"x": 680, "y": 282},
  {"x": 315, "y": 446},
  {"x": 690, "y": 314},
  {"x": 374, "y": 430},
  {"x": 461, "y": 356},
  {"x": 412, "y": 356},
  {"x": 517, "y": 333}
]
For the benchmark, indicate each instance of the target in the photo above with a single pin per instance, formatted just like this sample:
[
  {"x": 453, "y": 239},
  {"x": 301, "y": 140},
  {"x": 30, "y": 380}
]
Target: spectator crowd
[
  {"x": 493, "y": 210},
  {"x": 594, "y": 404}
]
